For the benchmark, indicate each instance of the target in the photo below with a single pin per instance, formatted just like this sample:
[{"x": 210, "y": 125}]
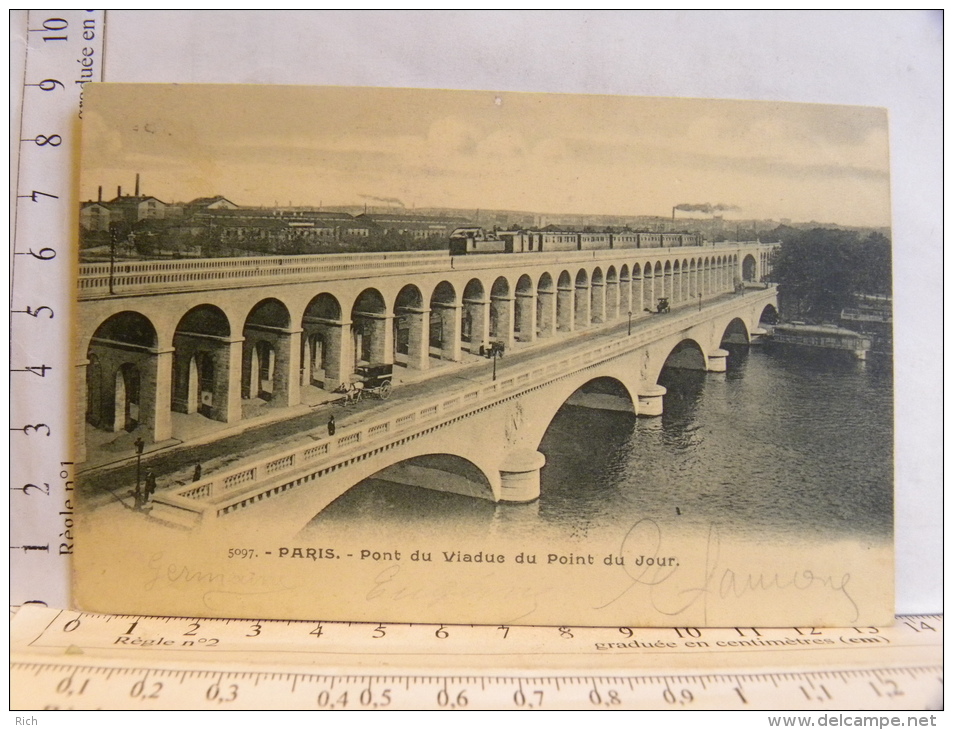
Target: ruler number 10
[{"x": 54, "y": 25}]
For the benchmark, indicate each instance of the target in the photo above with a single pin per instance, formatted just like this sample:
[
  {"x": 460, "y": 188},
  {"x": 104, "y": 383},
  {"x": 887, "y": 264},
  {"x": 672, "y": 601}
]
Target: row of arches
[{"x": 217, "y": 360}]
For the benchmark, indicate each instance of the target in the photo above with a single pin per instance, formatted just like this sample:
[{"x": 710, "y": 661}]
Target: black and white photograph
[{"x": 408, "y": 355}]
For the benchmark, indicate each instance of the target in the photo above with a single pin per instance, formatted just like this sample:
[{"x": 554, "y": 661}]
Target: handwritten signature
[
  {"x": 213, "y": 583},
  {"x": 717, "y": 582}
]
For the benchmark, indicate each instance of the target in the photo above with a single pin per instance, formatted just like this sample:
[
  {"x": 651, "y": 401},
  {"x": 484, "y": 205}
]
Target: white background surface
[{"x": 886, "y": 59}]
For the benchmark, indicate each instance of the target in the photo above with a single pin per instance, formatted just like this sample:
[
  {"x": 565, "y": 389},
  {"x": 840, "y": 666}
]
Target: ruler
[
  {"x": 54, "y": 54},
  {"x": 72, "y": 660}
]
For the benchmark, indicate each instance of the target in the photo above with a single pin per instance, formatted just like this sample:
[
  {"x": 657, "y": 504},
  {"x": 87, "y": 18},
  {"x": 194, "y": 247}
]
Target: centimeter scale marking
[
  {"x": 56, "y": 52},
  {"x": 44, "y": 686},
  {"x": 68, "y": 659}
]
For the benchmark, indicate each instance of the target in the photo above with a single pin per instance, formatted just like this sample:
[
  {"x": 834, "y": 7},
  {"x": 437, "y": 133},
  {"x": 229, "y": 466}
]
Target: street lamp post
[
  {"x": 699, "y": 301},
  {"x": 630, "y": 323},
  {"x": 494, "y": 353}
]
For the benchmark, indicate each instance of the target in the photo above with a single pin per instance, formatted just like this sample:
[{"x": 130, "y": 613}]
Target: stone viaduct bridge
[{"x": 211, "y": 337}]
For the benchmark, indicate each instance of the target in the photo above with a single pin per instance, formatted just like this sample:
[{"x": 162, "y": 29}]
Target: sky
[{"x": 546, "y": 153}]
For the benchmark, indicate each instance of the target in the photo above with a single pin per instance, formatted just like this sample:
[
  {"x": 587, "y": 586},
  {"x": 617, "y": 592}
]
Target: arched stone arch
[
  {"x": 475, "y": 324},
  {"x": 411, "y": 329},
  {"x": 270, "y": 355},
  {"x": 437, "y": 472},
  {"x": 502, "y": 327},
  {"x": 206, "y": 365},
  {"x": 749, "y": 268},
  {"x": 736, "y": 333},
  {"x": 546, "y": 306},
  {"x": 769, "y": 315},
  {"x": 128, "y": 379},
  {"x": 686, "y": 355},
  {"x": 597, "y": 297},
  {"x": 445, "y": 314},
  {"x": 324, "y": 343},
  {"x": 587, "y": 389},
  {"x": 372, "y": 335},
  {"x": 581, "y": 303},
  {"x": 524, "y": 319}
]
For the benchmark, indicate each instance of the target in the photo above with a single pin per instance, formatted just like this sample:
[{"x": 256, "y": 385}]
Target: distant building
[
  {"x": 216, "y": 202},
  {"x": 417, "y": 226},
  {"x": 94, "y": 216}
]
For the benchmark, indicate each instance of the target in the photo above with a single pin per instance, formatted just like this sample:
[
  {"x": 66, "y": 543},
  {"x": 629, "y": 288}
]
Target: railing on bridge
[
  {"x": 237, "y": 488},
  {"x": 96, "y": 279},
  {"x": 143, "y": 277}
]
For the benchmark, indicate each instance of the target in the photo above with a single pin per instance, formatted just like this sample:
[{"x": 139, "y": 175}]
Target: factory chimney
[
  {"x": 119, "y": 191},
  {"x": 137, "y": 184},
  {"x": 99, "y": 197}
]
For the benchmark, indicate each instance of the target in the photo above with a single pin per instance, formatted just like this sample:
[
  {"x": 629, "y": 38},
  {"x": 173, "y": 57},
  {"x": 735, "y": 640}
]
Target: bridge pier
[
  {"x": 418, "y": 338},
  {"x": 476, "y": 311},
  {"x": 718, "y": 361},
  {"x": 227, "y": 384},
  {"x": 625, "y": 296},
  {"x": 519, "y": 475},
  {"x": 648, "y": 291},
  {"x": 156, "y": 395},
  {"x": 334, "y": 357},
  {"x": 612, "y": 301},
  {"x": 545, "y": 313},
  {"x": 582, "y": 306},
  {"x": 286, "y": 378},
  {"x": 525, "y": 318},
  {"x": 503, "y": 320},
  {"x": 565, "y": 318},
  {"x": 376, "y": 332},
  {"x": 650, "y": 400},
  {"x": 449, "y": 316},
  {"x": 598, "y": 303}
]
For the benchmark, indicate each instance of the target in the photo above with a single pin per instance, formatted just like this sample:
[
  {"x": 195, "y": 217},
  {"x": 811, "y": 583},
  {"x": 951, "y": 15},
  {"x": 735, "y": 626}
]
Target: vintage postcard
[{"x": 483, "y": 357}]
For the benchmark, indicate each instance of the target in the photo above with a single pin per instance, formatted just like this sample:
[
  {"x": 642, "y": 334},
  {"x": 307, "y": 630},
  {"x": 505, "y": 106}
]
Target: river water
[{"x": 785, "y": 445}]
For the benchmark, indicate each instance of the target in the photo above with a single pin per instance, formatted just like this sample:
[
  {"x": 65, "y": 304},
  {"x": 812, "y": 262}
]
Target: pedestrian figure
[
  {"x": 331, "y": 426},
  {"x": 197, "y": 473},
  {"x": 150, "y": 488}
]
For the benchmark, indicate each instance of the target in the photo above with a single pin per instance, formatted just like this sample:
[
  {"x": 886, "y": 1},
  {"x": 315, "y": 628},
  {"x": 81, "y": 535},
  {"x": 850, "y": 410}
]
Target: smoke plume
[
  {"x": 388, "y": 201},
  {"x": 706, "y": 208}
]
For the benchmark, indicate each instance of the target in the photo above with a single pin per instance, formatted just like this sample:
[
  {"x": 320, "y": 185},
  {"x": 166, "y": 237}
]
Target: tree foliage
[{"x": 821, "y": 271}]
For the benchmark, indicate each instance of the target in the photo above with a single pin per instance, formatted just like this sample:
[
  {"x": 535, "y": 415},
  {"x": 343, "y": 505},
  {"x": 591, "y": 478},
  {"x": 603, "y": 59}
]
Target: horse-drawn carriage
[
  {"x": 663, "y": 307},
  {"x": 373, "y": 380},
  {"x": 494, "y": 349}
]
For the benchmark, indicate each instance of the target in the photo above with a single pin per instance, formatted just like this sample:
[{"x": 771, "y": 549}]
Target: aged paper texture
[{"x": 476, "y": 357}]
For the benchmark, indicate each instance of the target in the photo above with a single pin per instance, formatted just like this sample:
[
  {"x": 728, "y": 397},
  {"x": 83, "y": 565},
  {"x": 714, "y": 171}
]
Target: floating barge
[{"x": 824, "y": 337}]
